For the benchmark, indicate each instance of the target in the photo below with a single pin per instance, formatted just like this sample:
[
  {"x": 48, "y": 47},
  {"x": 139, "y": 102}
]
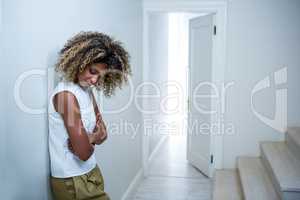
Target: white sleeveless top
[{"x": 63, "y": 162}]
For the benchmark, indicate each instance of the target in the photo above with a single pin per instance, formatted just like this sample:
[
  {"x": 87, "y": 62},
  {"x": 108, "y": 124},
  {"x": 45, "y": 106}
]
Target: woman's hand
[
  {"x": 70, "y": 146},
  {"x": 99, "y": 134}
]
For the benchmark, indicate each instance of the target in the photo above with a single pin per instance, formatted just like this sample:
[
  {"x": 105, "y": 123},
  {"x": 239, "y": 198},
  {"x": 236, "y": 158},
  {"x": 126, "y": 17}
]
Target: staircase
[{"x": 273, "y": 176}]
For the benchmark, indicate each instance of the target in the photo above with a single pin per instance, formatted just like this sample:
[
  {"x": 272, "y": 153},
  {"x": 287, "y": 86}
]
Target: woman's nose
[{"x": 94, "y": 80}]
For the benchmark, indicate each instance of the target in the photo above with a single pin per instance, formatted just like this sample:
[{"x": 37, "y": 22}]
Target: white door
[{"x": 201, "y": 33}]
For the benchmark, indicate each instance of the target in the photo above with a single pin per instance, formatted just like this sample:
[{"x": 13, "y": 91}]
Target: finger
[
  {"x": 98, "y": 121},
  {"x": 104, "y": 133},
  {"x": 70, "y": 148},
  {"x": 98, "y": 126},
  {"x": 98, "y": 116},
  {"x": 104, "y": 137},
  {"x": 104, "y": 126},
  {"x": 69, "y": 144}
]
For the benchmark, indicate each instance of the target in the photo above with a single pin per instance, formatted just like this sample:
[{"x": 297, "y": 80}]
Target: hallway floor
[{"x": 172, "y": 178}]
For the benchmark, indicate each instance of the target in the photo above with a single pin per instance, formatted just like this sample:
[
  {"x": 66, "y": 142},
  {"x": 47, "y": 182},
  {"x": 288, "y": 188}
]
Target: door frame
[
  {"x": 219, "y": 8},
  {"x": 1, "y": 15}
]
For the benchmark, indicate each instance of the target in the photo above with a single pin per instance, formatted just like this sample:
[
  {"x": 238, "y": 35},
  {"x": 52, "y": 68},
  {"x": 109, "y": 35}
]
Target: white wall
[
  {"x": 2, "y": 106},
  {"x": 33, "y": 32},
  {"x": 263, "y": 36},
  {"x": 158, "y": 58}
]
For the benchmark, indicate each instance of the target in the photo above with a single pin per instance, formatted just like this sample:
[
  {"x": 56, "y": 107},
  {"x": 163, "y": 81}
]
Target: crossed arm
[
  {"x": 100, "y": 132},
  {"x": 80, "y": 142}
]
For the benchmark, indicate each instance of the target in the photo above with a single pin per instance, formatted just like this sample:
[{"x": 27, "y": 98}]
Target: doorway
[
  {"x": 219, "y": 9},
  {"x": 169, "y": 60}
]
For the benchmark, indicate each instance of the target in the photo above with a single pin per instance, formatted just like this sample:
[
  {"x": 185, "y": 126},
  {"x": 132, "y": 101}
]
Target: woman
[{"x": 89, "y": 59}]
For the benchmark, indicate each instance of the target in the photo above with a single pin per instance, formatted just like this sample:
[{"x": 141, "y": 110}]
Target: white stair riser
[
  {"x": 291, "y": 195},
  {"x": 271, "y": 173},
  {"x": 293, "y": 146},
  {"x": 285, "y": 195}
]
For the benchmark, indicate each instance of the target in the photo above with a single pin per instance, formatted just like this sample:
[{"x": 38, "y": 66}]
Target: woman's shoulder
[
  {"x": 66, "y": 86},
  {"x": 75, "y": 89}
]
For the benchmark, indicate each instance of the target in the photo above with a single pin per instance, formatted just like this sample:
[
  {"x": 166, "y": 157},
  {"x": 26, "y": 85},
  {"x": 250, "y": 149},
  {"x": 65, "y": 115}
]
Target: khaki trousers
[{"x": 89, "y": 186}]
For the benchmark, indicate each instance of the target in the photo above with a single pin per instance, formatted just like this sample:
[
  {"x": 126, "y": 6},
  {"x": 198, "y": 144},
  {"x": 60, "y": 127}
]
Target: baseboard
[
  {"x": 139, "y": 177},
  {"x": 156, "y": 149},
  {"x": 133, "y": 186}
]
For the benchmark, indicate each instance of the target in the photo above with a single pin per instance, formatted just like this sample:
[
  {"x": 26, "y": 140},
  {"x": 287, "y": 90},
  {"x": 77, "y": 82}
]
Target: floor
[{"x": 172, "y": 178}]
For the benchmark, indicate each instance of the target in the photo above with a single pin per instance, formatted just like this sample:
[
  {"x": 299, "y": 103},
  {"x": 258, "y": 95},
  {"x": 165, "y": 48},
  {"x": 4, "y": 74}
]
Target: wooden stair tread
[
  {"x": 227, "y": 185},
  {"x": 256, "y": 183},
  {"x": 284, "y": 164}
]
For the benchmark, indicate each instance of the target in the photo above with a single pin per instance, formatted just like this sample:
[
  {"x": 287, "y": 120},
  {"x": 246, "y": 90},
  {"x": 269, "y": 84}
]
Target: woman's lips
[{"x": 84, "y": 84}]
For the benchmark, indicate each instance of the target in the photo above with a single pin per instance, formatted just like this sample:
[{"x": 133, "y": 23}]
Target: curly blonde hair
[{"x": 87, "y": 48}]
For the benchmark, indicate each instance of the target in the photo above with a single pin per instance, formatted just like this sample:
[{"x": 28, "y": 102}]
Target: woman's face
[{"x": 91, "y": 74}]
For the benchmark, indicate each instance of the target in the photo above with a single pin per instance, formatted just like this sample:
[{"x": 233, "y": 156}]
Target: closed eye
[{"x": 93, "y": 71}]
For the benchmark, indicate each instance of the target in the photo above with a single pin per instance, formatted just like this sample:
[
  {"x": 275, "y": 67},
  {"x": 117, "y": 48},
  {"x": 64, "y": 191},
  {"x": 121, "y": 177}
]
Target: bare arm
[
  {"x": 100, "y": 132},
  {"x": 66, "y": 104}
]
